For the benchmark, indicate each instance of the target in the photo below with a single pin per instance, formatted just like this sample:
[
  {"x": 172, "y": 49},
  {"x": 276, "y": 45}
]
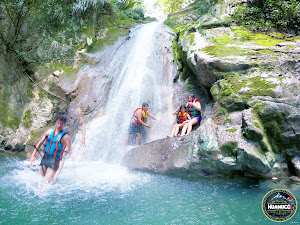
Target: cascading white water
[{"x": 140, "y": 71}]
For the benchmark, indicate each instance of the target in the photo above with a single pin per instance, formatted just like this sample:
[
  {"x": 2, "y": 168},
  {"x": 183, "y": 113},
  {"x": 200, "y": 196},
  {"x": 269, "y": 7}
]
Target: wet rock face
[
  {"x": 254, "y": 125},
  {"x": 25, "y": 104}
]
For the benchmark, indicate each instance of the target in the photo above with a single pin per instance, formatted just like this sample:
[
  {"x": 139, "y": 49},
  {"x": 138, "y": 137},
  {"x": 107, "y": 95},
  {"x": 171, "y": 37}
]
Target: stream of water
[{"x": 104, "y": 192}]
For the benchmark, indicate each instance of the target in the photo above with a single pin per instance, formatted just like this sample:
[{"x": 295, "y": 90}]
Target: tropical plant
[{"x": 279, "y": 14}]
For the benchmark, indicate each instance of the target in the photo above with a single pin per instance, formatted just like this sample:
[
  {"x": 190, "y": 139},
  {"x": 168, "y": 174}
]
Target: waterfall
[{"x": 137, "y": 69}]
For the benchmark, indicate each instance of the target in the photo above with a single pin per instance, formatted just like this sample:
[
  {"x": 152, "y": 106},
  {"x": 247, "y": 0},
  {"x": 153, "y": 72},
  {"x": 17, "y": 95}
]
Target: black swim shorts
[
  {"x": 134, "y": 129},
  {"x": 51, "y": 163}
]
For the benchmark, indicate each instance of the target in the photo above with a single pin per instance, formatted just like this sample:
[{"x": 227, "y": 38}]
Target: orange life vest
[
  {"x": 181, "y": 117},
  {"x": 136, "y": 122}
]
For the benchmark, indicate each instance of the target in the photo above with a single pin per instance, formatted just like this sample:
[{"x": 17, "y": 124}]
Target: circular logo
[{"x": 279, "y": 205}]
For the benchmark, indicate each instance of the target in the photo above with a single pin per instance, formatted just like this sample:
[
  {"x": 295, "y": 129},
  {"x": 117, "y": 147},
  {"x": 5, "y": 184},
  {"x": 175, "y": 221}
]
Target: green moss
[
  {"x": 90, "y": 32},
  {"x": 245, "y": 35},
  {"x": 273, "y": 121},
  {"x": 222, "y": 111},
  {"x": 13, "y": 121},
  {"x": 111, "y": 36},
  {"x": 221, "y": 50},
  {"x": 41, "y": 94},
  {"x": 226, "y": 92},
  {"x": 179, "y": 28},
  {"x": 27, "y": 119},
  {"x": 237, "y": 84},
  {"x": 69, "y": 71},
  {"x": 220, "y": 46},
  {"x": 8, "y": 116},
  {"x": 229, "y": 148},
  {"x": 49, "y": 68},
  {"x": 256, "y": 124},
  {"x": 220, "y": 23},
  {"x": 227, "y": 121},
  {"x": 232, "y": 130},
  {"x": 261, "y": 87},
  {"x": 29, "y": 89},
  {"x": 259, "y": 106},
  {"x": 33, "y": 135},
  {"x": 117, "y": 26}
]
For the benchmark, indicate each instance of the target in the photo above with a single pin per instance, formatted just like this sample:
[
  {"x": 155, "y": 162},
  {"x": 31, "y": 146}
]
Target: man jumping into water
[
  {"x": 56, "y": 142},
  {"x": 137, "y": 120}
]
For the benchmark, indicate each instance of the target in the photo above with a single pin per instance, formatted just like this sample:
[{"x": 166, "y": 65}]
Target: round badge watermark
[{"x": 279, "y": 205}]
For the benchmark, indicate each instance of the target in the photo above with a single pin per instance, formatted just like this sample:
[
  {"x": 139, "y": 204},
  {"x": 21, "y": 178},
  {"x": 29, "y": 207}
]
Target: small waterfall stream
[{"x": 138, "y": 73}]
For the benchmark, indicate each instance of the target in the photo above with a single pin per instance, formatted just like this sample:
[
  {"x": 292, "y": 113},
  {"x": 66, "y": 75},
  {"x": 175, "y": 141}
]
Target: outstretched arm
[
  {"x": 151, "y": 116},
  {"x": 82, "y": 121},
  {"x": 32, "y": 158}
]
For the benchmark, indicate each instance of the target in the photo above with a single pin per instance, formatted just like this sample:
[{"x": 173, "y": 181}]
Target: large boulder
[{"x": 211, "y": 150}]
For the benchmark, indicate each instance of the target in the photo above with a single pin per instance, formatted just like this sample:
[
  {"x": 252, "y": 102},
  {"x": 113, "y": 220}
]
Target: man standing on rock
[
  {"x": 137, "y": 120},
  {"x": 56, "y": 142}
]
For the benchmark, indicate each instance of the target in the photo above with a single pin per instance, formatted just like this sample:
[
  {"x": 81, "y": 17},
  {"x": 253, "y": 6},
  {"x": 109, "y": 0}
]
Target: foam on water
[{"x": 95, "y": 177}]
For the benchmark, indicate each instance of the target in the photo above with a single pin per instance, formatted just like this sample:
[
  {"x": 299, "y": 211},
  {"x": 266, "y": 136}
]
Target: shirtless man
[{"x": 137, "y": 120}]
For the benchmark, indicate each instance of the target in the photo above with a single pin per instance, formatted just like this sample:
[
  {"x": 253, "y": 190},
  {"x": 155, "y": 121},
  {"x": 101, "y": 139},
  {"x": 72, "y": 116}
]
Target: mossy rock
[
  {"x": 273, "y": 120},
  {"x": 229, "y": 148},
  {"x": 27, "y": 119},
  {"x": 252, "y": 134}
]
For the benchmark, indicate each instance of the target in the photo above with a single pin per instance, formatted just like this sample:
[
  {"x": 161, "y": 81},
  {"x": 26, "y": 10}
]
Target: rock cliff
[{"x": 253, "y": 78}]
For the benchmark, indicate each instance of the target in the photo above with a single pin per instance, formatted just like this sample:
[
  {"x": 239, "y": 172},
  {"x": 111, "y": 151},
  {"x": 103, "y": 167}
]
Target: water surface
[{"x": 102, "y": 193}]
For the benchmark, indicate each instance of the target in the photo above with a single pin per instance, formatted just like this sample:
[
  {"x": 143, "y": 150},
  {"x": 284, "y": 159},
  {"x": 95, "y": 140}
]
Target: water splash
[{"x": 139, "y": 71}]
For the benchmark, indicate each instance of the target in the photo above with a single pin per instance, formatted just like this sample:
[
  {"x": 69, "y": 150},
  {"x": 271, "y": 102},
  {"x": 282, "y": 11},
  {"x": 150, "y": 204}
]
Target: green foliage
[
  {"x": 280, "y": 14},
  {"x": 119, "y": 27},
  {"x": 40, "y": 31},
  {"x": 135, "y": 13}
]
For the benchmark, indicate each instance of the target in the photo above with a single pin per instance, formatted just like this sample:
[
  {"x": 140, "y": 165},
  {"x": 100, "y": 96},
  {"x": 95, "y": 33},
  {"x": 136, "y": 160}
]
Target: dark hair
[
  {"x": 62, "y": 118},
  {"x": 192, "y": 96},
  {"x": 145, "y": 104},
  {"x": 182, "y": 106}
]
